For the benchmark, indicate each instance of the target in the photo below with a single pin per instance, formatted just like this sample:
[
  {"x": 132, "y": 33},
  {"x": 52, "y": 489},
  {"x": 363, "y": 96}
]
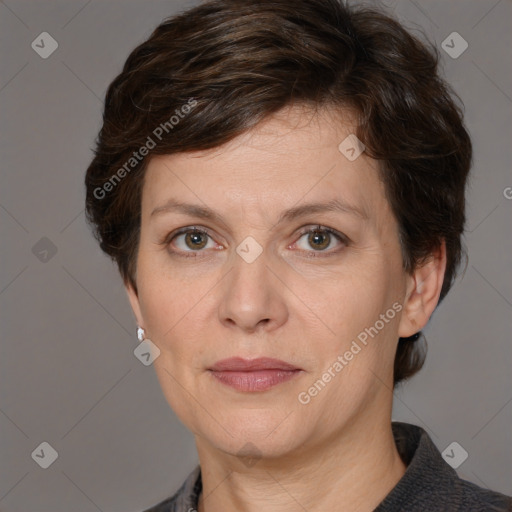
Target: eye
[
  {"x": 321, "y": 239},
  {"x": 191, "y": 239}
]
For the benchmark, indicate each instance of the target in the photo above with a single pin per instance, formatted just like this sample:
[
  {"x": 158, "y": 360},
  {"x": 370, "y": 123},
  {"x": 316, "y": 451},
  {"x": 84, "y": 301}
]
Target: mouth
[{"x": 252, "y": 375}]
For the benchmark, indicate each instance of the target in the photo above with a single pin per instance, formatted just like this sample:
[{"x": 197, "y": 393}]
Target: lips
[
  {"x": 253, "y": 375},
  {"x": 238, "y": 364}
]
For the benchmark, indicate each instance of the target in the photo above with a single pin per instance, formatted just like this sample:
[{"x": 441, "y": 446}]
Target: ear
[
  {"x": 134, "y": 301},
  {"x": 423, "y": 291}
]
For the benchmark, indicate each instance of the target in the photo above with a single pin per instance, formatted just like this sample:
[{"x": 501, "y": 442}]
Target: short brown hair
[{"x": 238, "y": 62}]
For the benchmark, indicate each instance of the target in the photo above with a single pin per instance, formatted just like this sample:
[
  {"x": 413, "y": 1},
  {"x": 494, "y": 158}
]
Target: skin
[{"x": 286, "y": 304}]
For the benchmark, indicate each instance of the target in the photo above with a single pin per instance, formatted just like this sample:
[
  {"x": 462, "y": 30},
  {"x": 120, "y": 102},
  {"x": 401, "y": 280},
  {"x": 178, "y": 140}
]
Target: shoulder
[
  {"x": 185, "y": 499},
  {"x": 478, "y": 499},
  {"x": 430, "y": 483}
]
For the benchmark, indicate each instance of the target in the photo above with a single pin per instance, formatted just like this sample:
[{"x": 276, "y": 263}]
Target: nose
[{"x": 253, "y": 298}]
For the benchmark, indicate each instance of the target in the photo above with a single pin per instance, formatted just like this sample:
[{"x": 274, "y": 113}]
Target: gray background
[{"x": 68, "y": 373}]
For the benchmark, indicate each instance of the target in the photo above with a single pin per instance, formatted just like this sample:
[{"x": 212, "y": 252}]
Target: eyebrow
[{"x": 194, "y": 210}]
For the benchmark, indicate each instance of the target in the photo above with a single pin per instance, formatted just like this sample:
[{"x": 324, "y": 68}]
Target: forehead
[{"x": 288, "y": 159}]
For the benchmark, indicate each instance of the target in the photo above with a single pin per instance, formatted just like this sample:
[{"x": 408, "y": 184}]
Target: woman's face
[{"x": 258, "y": 285}]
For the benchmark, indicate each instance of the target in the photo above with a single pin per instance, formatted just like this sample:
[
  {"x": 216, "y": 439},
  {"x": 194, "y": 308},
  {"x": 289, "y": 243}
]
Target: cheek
[
  {"x": 171, "y": 313},
  {"x": 344, "y": 298},
  {"x": 174, "y": 306},
  {"x": 342, "y": 314}
]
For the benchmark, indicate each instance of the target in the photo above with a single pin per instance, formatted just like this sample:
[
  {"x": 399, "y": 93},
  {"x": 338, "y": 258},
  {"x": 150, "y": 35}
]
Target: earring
[{"x": 141, "y": 333}]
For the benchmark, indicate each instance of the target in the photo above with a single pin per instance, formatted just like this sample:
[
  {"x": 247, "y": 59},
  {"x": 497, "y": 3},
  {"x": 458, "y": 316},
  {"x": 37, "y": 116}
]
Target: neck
[{"x": 357, "y": 467}]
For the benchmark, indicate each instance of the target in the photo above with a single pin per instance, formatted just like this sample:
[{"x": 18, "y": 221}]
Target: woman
[{"x": 281, "y": 184}]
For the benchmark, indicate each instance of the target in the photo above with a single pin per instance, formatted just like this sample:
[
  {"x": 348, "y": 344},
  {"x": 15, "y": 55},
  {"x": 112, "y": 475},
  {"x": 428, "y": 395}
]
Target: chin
[{"x": 252, "y": 433}]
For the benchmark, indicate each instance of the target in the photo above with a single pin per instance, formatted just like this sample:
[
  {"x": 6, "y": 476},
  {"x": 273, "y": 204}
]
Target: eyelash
[{"x": 312, "y": 254}]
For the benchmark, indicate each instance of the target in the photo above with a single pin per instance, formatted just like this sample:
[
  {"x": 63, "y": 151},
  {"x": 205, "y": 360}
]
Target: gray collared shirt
[{"x": 429, "y": 483}]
